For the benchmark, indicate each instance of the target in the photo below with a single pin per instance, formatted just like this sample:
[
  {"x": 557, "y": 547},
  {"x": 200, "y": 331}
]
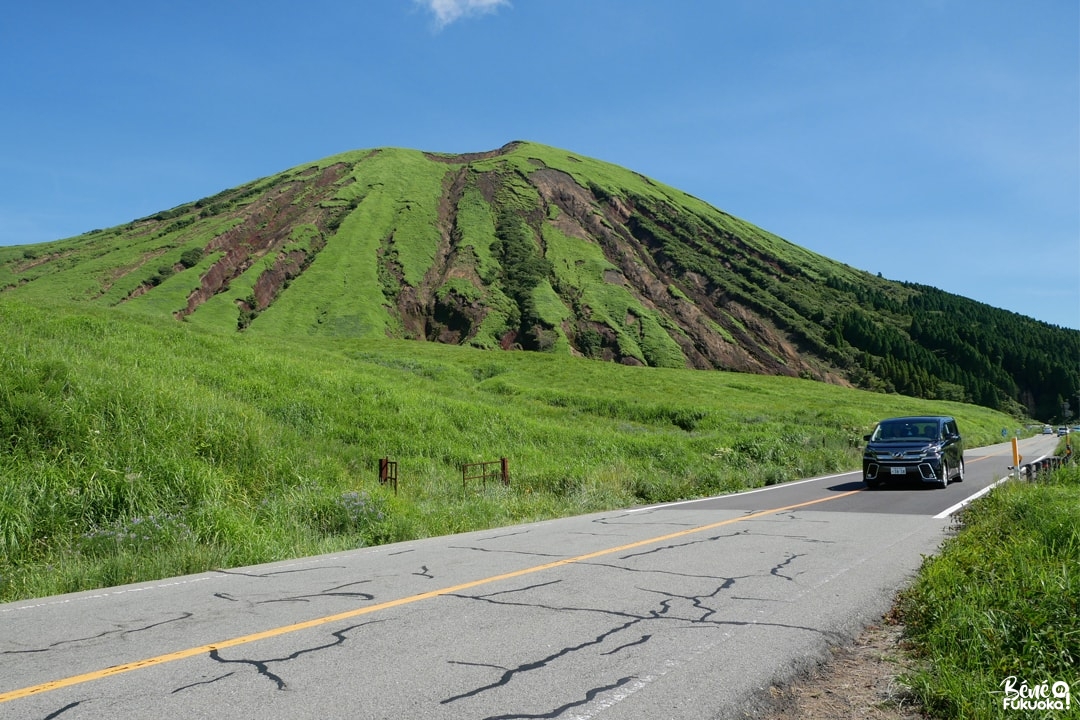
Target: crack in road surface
[
  {"x": 108, "y": 633},
  {"x": 263, "y": 666},
  {"x": 702, "y": 612}
]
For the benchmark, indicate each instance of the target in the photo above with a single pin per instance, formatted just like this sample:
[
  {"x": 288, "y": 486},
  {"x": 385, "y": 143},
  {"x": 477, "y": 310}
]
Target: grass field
[
  {"x": 1002, "y": 601},
  {"x": 134, "y": 449}
]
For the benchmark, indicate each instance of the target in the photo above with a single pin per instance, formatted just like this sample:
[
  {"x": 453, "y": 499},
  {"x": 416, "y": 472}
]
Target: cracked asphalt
[{"x": 688, "y": 610}]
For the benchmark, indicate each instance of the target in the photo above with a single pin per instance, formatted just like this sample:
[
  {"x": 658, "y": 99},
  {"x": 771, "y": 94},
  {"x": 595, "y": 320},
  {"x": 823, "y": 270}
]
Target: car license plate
[{"x": 898, "y": 471}]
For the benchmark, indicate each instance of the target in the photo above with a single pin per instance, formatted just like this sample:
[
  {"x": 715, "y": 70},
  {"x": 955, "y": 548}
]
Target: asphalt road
[{"x": 685, "y": 610}]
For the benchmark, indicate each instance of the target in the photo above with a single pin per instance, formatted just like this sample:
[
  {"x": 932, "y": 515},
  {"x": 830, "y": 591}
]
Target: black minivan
[{"x": 925, "y": 448}]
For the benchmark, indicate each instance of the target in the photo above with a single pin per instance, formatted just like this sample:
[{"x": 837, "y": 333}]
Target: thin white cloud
[{"x": 447, "y": 11}]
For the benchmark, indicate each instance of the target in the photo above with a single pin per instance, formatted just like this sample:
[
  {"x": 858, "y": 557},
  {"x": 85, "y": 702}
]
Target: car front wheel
[{"x": 944, "y": 481}]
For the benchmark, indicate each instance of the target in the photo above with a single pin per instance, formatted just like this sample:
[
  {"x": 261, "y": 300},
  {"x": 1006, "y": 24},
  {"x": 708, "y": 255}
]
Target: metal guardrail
[{"x": 1033, "y": 470}]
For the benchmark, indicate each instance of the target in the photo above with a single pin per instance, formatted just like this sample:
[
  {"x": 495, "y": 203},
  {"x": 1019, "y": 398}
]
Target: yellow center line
[{"x": 285, "y": 629}]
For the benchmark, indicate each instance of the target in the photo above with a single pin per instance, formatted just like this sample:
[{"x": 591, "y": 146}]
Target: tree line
[{"x": 954, "y": 348}]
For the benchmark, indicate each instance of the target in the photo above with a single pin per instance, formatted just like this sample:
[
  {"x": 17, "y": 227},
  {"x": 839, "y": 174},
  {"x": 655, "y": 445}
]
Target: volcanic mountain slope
[{"x": 537, "y": 248}]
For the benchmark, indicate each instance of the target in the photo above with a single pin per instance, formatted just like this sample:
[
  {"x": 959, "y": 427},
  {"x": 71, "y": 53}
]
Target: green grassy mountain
[{"x": 538, "y": 248}]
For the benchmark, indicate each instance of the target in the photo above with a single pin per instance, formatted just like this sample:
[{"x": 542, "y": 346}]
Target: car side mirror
[{"x": 866, "y": 438}]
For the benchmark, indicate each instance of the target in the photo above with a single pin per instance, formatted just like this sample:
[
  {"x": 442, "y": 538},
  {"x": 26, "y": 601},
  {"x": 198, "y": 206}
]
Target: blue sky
[{"x": 931, "y": 141}]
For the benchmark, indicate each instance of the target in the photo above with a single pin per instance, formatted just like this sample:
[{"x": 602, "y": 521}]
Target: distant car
[
  {"x": 1063, "y": 431},
  {"x": 925, "y": 448},
  {"x": 1047, "y": 430}
]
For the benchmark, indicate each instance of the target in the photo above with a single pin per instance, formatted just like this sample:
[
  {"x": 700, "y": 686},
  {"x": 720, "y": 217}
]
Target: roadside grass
[
  {"x": 1001, "y": 600},
  {"x": 132, "y": 449}
]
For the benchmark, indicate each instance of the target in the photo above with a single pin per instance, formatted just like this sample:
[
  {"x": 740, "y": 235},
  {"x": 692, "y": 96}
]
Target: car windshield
[{"x": 901, "y": 430}]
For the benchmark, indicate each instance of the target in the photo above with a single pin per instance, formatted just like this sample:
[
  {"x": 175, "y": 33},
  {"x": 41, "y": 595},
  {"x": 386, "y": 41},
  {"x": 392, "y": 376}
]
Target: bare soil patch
[{"x": 859, "y": 682}]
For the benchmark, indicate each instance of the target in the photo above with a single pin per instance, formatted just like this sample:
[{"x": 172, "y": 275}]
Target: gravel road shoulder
[{"x": 858, "y": 682}]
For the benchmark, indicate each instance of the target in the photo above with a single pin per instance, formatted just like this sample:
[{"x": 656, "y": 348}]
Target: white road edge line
[
  {"x": 940, "y": 516},
  {"x": 743, "y": 492},
  {"x": 949, "y": 511}
]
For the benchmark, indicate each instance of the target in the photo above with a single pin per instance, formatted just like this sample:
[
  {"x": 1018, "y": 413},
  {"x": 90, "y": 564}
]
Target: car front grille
[{"x": 905, "y": 456}]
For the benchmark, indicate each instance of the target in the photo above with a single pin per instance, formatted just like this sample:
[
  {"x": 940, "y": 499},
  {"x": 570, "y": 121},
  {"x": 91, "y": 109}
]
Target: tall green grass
[
  {"x": 132, "y": 449},
  {"x": 1002, "y": 600}
]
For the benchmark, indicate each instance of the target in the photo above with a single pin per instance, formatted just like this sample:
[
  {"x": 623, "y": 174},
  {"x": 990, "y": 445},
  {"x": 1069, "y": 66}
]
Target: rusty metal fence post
[
  {"x": 388, "y": 473},
  {"x": 486, "y": 471}
]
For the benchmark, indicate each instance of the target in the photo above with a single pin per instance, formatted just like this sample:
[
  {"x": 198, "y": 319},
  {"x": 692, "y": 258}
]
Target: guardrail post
[{"x": 505, "y": 465}]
